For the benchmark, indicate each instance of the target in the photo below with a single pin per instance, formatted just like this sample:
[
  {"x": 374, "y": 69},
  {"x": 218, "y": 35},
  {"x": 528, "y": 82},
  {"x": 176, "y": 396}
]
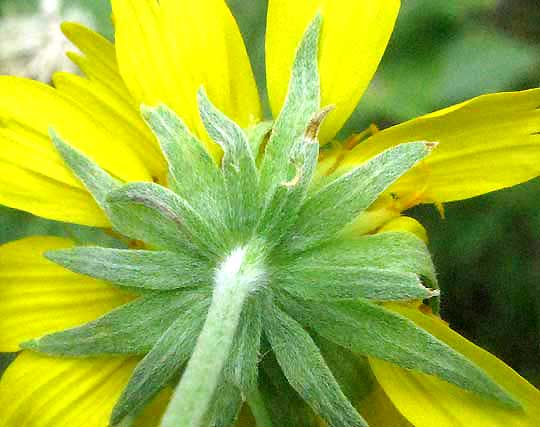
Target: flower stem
[{"x": 238, "y": 276}]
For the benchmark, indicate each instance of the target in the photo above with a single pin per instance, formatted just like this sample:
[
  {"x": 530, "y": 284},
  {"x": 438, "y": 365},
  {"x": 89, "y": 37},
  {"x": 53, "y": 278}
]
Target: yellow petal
[
  {"x": 379, "y": 411},
  {"x": 36, "y": 107},
  {"x": 354, "y": 36},
  {"x": 485, "y": 144},
  {"x": 98, "y": 61},
  {"x": 427, "y": 401},
  {"x": 120, "y": 119},
  {"x": 38, "y": 297},
  {"x": 33, "y": 174},
  {"x": 208, "y": 50},
  {"x": 41, "y": 391},
  {"x": 369, "y": 221},
  {"x": 104, "y": 93},
  {"x": 141, "y": 51},
  {"x": 23, "y": 188},
  {"x": 166, "y": 52},
  {"x": 407, "y": 224}
]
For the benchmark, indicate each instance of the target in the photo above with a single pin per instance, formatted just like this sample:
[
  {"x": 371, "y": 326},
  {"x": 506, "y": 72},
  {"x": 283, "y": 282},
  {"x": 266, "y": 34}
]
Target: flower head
[{"x": 260, "y": 270}]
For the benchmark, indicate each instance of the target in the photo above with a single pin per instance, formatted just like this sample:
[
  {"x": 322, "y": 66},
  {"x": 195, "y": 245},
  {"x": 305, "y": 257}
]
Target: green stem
[
  {"x": 238, "y": 276},
  {"x": 258, "y": 409}
]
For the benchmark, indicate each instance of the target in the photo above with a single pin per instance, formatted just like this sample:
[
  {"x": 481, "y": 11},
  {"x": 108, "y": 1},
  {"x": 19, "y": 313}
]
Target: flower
[{"x": 163, "y": 54}]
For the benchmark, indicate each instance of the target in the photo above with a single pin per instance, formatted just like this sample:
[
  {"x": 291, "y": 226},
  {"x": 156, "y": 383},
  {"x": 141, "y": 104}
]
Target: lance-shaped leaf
[
  {"x": 292, "y": 151},
  {"x": 396, "y": 251},
  {"x": 306, "y": 370},
  {"x": 282, "y": 209},
  {"x": 226, "y": 406},
  {"x": 158, "y": 270},
  {"x": 259, "y": 409},
  {"x": 352, "y": 372},
  {"x": 331, "y": 283},
  {"x": 98, "y": 182},
  {"x": 133, "y": 328},
  {"x": 160, "y": 217},
  {"x": 280, "y": 400},
  {"x": 238, "y": 164},
  {"x": 242, "y": 366},
  {"x": 193, "y": 174},
  {"x": 372, "y": 330},
  {"x": 383, "y": 267},
  {"x": 162, "y": 363},
  {"x": 326, "y": 212},
  {"x": 302, "y": 102}
]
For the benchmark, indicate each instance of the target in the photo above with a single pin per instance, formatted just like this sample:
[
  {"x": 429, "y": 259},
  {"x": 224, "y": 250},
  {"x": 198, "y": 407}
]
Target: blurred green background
[{"x": 487, "y": 249}]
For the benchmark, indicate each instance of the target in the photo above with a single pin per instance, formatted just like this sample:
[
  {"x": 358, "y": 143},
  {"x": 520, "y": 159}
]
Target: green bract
[{"x": 248, "y": 289}]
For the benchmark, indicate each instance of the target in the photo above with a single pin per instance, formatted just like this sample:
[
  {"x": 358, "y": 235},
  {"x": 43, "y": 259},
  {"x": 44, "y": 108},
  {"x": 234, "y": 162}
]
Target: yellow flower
[{"x": 163, "y": 54}]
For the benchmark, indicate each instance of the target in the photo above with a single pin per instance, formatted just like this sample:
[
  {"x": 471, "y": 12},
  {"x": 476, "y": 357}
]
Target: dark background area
[{"x": 487, "y": 249}]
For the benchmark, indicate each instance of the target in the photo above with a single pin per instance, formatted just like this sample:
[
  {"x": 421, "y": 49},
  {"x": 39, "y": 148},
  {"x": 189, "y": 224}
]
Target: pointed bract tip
[
  {"x": 51, "y": 255},
  {"x": 433, "y": 293},
  {"x": 509, "y": 400},
  {"x": 201, "y": 94},
  {"x": 312, "y": 130},
  {"x": 431, "y": 145},
  {"x": 58, "y": 143},
  {"x": 317, "y": 19},
  {"x": 204, "y": 102},
  {"x": 52, "y": 133},
  {"x": 32, "y": 344},
  {"x": 154, "y": 113},
  {"x": 146, "y": 110}
]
